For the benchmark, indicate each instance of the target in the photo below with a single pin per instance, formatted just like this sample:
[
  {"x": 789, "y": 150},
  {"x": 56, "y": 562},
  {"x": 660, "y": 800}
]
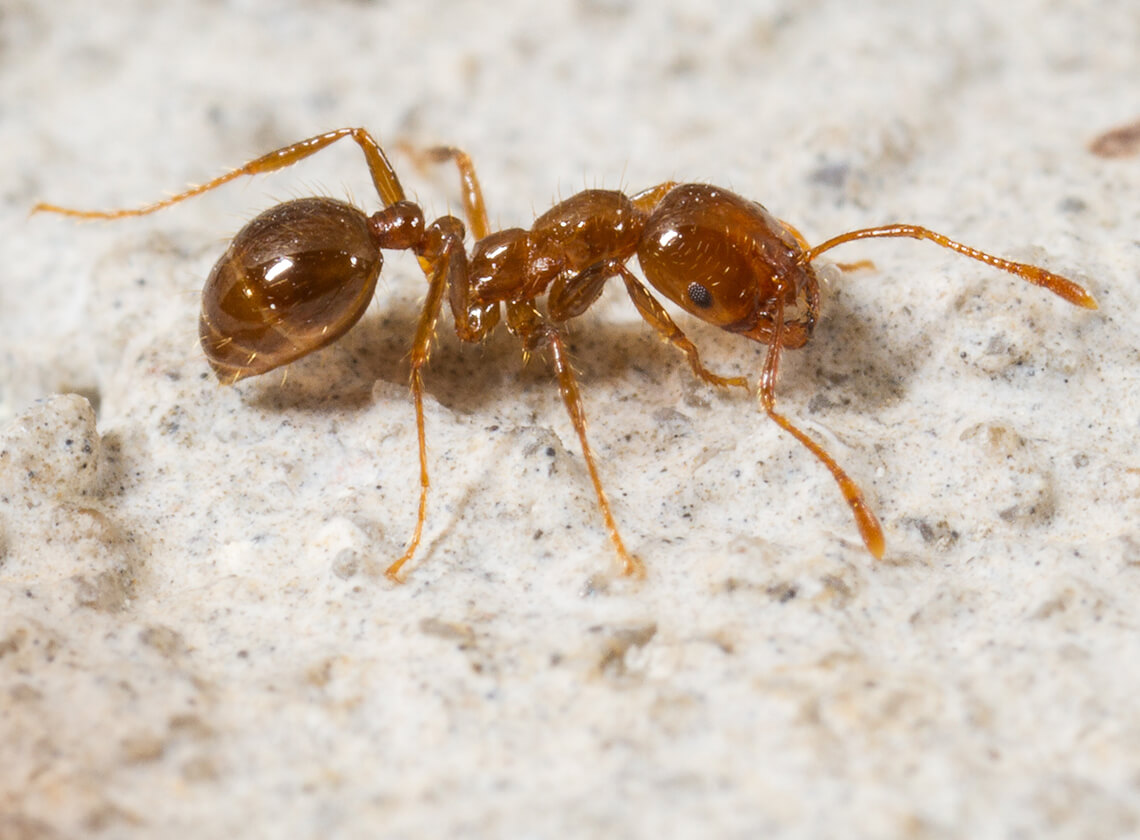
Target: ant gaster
[{"x": 301, "y": 274}]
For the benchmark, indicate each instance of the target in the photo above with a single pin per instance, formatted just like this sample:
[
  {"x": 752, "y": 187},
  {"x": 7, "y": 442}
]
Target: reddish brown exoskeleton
[{"x": 301, "y": 274}]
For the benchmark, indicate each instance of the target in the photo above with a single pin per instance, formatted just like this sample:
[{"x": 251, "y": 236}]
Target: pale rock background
[{"x": 195, "y": 637}]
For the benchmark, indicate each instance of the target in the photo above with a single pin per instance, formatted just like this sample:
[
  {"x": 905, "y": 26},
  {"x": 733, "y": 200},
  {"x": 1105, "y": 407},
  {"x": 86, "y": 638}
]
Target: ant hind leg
[
  {"x": 383, "y": 175},
  {"x": 474, "y": 208},
  {"x": 443, "y": 252}
]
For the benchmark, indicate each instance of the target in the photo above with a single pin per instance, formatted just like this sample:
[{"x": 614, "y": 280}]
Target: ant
[{"x": 302, "y": 273}]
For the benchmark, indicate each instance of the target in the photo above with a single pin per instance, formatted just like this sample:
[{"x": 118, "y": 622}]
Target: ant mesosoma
[{"x": 301, "y": 274}]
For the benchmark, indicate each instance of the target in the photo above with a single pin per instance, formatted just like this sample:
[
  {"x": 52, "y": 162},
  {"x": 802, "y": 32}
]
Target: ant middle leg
[
  {"x": 383, "y": 175},
  {"x": 868, "y": 524},
  {"x": 537, "y": 333}
]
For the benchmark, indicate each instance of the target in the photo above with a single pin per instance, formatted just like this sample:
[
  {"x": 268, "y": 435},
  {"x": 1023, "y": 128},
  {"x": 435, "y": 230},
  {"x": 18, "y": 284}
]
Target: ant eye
[{"x": 699, "y": 295}]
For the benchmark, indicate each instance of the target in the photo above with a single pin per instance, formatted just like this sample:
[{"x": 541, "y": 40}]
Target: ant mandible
[{"x": 301, "y": 274}]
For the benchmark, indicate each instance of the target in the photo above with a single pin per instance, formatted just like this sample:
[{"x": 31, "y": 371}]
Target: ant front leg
[
  {"x": 656, "y": 316},
  {"x": 865, "y": 519},
  {"x": 571, "y": 297},
  {"x": 383, "y": 175},
  {"x": 526, "y": 322}
]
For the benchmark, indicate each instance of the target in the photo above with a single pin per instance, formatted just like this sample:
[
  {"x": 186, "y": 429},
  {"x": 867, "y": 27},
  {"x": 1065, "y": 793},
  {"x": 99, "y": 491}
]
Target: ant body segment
[{"x": 301, "y": 274}]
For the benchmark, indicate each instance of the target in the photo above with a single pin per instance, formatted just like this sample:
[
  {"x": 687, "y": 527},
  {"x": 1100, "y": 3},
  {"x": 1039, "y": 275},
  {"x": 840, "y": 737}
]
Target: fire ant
[{"x": 302, "y": 273}]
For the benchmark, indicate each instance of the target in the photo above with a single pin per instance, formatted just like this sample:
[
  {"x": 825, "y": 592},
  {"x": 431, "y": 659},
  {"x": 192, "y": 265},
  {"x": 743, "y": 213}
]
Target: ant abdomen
[{"x": 294, "y": 279}]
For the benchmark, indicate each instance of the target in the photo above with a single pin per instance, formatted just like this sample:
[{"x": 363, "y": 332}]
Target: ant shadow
[
  {"x": 855, "y": 362},
  {"x": 844, "y": 368}
]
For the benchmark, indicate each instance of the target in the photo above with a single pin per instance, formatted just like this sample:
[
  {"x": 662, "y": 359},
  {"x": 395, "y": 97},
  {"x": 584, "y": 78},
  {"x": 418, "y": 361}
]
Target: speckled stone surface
[{"x": 196, "y": 638}]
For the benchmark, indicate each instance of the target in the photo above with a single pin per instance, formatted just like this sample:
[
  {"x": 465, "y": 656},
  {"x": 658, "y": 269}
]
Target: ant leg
[
  {"x": 656, "y": 316},
  {"x": 647, "y": 199},
  {"x": 1058, "y": 285},
  {"x": 570, "y": 298},
  {"x": 865, "y": 519},
  {"x": 473, "y": 205},
  {"x": 383, "y": 175},
  {"x": 443, "y": 256},
  {"x": 535, "y": 332},
  {"x": 473, "y": 320}
]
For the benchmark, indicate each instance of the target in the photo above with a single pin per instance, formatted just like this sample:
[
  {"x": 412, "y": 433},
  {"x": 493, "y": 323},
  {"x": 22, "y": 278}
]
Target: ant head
[{"x": 729, "y": 262}]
